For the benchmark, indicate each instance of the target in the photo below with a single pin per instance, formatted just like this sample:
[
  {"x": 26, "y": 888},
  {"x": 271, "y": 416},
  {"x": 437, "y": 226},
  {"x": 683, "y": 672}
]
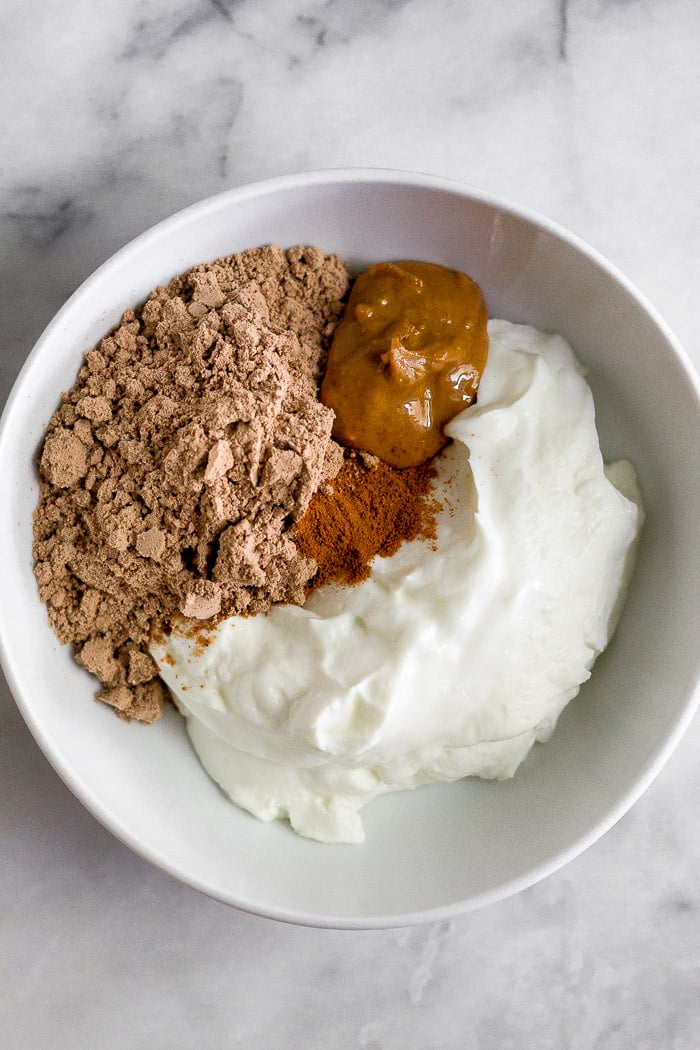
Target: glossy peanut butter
[{"x": 406, "y": 357}]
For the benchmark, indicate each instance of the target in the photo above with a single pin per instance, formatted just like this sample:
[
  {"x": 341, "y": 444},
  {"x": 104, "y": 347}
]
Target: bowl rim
[{"x": 168, "y": 226}]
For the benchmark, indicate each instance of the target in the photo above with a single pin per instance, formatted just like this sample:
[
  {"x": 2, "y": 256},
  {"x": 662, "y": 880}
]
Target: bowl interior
[{"x": 444, "y": 848}]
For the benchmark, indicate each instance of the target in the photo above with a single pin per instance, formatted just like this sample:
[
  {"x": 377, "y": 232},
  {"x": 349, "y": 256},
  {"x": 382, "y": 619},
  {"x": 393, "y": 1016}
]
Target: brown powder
[
  {"x": 171, "y": 472},
  {"x": 369, "y": 509}
]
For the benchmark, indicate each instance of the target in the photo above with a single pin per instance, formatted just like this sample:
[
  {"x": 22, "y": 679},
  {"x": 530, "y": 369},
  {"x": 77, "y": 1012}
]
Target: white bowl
[{"x": 443, "y": 849}]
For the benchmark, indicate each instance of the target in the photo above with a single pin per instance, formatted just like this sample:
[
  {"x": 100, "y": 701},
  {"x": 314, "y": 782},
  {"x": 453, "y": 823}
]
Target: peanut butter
[{"x": 406, "y": 357}]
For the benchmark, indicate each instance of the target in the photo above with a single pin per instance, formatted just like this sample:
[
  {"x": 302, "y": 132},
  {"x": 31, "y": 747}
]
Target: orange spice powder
[{"x": 368, "y": 509}]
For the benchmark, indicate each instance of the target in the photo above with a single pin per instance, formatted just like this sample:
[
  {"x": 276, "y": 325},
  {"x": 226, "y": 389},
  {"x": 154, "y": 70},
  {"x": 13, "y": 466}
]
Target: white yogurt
[{"x": 446, "y": 663}]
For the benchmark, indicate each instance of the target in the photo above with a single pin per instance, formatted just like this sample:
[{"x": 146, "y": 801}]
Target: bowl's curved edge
[{"x": 339, "y": 175}]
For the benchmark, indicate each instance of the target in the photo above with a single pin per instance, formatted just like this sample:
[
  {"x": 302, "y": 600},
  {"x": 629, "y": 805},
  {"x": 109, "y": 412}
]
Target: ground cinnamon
[{"x": 368, "y": 510}]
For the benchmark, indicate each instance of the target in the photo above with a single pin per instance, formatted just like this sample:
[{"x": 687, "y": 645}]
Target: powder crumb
[
  {"x": 95, "y": 409},
  {"x": 118, "y": 539},
  {"x": 148, "y": 702},
  {"x": 334, "y": 460},
  {"x": 219, "y": 462},
  {"x": 141, "y": 667},
  {"x": 64, "y": 459},
  {"x": 120, "y": 697},
  {"x": 173, "y": 469},
  {"x": 97, "y": 656},
  {"x": 142, "y": 702},
  {"x": 202, "y": 601},
  {"x": 368, "y": 459},
  {"x": 150, "y": 543}
]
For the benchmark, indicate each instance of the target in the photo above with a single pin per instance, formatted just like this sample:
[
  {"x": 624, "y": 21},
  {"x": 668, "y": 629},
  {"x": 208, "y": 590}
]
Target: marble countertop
[{"x": 115, "y": 114}]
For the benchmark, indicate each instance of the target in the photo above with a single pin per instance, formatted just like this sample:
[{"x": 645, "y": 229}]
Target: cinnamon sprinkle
[{"x": 369, "y": 509}]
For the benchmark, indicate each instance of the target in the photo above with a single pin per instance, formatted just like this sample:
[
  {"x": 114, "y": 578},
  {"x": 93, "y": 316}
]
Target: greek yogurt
[{"x": 446, "y": 662}]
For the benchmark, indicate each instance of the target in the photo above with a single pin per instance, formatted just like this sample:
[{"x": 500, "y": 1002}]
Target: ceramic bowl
[{"x": 443, "y": 849}]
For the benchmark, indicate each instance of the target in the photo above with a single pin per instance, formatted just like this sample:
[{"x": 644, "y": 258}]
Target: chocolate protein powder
[{"x": 191, "y": 441}]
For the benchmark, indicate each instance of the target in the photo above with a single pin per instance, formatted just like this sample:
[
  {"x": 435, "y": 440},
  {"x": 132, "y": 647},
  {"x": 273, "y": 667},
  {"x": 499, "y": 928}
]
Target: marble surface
[{"x": 113, "y": 115}]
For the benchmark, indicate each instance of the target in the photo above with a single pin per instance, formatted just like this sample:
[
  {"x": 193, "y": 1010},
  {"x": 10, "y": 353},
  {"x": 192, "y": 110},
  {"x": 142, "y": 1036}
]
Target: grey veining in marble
[{"x": 115, "y": 113}]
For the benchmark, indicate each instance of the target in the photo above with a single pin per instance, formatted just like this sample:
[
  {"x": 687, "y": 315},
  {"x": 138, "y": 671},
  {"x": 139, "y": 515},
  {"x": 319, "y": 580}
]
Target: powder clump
[{"x": 171, "y": 471}]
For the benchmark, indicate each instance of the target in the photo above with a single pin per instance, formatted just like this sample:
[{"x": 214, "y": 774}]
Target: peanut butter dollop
[{"x": 406, "y": 357}]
